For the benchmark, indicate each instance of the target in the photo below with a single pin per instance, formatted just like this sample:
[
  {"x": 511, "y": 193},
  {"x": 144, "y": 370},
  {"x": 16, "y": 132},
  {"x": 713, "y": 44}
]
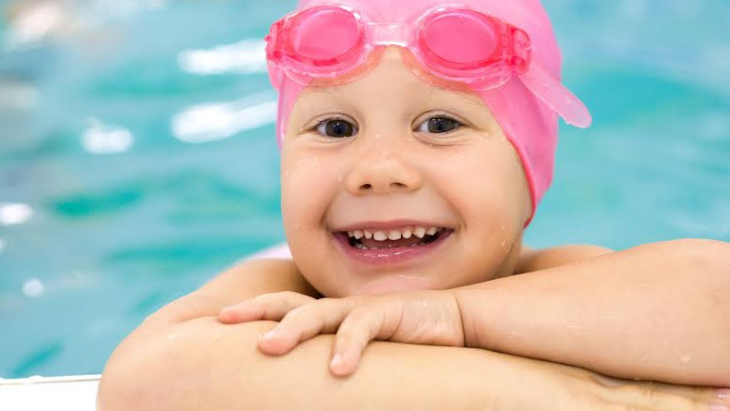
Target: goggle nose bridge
[{"x": 390, "y": 34}]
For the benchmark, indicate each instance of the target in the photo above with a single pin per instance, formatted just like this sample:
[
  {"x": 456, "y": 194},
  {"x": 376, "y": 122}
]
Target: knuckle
[
  {"x": 268, "y": 298},
  {"x": 356, "y": 319},
  {"x": 298, "y": 313}
]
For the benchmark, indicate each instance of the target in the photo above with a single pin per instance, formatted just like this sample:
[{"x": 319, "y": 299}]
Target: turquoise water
[{"x": 119, "y": 191}]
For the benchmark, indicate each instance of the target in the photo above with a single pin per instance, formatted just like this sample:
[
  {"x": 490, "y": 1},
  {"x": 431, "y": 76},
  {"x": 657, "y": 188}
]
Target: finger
[
  {"x": 355, "y": 333},
  {"x": 664, "y": 397},
  {"x": 702, "y": 398},
  {"x": 270, "y": 307},
  {"x": 693, "y": 392},
  {"x": 240, "y": 313},
  {"x": 303, "y": 323}
]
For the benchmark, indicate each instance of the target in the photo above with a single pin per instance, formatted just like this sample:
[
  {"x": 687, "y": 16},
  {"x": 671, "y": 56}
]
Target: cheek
[
  {"x": 485, "y": 185},
  {"x": 310, "y": 181},
  {"x": 487, "y": 190},
  {"x": 304, "y": 190}
]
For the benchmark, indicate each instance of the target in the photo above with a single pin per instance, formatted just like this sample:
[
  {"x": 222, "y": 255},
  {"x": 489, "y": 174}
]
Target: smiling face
[{"x": 390, "y": 183}]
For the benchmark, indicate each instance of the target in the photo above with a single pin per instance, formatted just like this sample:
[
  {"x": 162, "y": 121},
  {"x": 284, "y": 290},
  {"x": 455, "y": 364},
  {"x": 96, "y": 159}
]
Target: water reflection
[
  {"x": 217, "y": 121},
  {"x": 14, "y": 213},
  {"x": 105, "y": 138},
  {"x": 35, "y": 21},
  {"x": 245, "y": 57},
  {"x": 33, "y": 288}
]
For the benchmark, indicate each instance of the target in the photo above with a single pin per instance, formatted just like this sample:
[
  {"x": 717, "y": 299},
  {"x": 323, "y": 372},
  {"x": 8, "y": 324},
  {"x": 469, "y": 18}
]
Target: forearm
[
  {"x": 656, "y": 312},
  {"x": 210, "y": 366}
]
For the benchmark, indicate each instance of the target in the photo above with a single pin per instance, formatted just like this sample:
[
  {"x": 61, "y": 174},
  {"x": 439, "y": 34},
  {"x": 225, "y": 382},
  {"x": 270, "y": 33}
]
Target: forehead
[{"x": 393, "y": 79}]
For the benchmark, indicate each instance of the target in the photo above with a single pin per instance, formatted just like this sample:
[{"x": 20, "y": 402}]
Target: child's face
[{"x": 390, "y": 153}]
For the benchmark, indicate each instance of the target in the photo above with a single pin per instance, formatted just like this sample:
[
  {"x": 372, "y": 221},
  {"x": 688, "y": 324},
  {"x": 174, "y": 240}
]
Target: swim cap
[{"x": 523, "y": 84}]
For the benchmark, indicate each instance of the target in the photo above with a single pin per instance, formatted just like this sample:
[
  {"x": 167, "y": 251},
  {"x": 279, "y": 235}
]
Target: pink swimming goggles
[{"x": 455, "y": 43}]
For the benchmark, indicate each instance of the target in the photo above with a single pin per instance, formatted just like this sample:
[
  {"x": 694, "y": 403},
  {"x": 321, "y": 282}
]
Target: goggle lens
[
  {"x": 460, "y": 38},
  {"x": 325, "y": 34}
]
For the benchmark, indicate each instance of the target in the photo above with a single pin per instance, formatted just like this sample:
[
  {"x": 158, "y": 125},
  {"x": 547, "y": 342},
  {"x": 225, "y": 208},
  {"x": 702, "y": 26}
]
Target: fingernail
[
  {"x": 337, "y": 360},
  {"x": 723, "y": 393},
  {"x": 719, "y": 407},
  {"x": 268, "y": 335}
]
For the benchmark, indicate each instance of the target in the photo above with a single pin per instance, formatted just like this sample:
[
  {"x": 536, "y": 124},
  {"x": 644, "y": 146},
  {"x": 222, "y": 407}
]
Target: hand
[{"x": 424, "y": 317}]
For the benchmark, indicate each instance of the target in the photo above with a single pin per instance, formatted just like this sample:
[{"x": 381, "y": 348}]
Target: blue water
[{"x": 119, "y": 193}]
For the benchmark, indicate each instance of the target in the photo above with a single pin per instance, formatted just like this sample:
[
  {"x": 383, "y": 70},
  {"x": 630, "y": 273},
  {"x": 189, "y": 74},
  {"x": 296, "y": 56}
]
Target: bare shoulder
[
  {"x": 543, "y": 259},
  {"x": 245, "y": 280}
]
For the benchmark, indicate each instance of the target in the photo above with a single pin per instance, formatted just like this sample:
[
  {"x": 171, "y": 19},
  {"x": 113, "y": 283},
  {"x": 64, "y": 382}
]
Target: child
[{"x": 417, "y": 142}]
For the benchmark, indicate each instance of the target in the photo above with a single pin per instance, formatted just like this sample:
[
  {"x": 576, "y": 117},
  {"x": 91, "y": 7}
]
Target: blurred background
[{"x": 138, "y": 159}]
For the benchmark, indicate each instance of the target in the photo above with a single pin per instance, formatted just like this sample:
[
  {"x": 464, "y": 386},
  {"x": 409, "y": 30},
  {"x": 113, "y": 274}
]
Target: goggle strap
[{"x": 556, "y": 96}]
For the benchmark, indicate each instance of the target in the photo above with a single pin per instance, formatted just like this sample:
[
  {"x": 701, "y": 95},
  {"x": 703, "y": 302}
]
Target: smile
[
  {"x": 373, "y": 239},
  {"x": 390, "y": 245}
]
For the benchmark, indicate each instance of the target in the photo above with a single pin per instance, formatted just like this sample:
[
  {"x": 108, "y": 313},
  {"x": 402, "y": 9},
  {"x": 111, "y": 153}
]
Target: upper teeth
[{"x": 394, "y": 234}]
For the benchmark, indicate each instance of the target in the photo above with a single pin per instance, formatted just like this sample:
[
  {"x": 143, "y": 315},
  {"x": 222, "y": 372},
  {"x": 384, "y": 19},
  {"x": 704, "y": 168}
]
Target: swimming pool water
[{"x": 137, "y": 153}]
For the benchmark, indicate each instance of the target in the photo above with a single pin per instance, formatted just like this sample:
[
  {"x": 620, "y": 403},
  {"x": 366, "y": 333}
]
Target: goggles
[{"x": 455, "y": 43}]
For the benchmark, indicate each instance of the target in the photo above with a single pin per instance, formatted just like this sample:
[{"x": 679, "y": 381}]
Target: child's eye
[
  {"x": 438, "y": 125},
  {"x": 336, "y": 128}
]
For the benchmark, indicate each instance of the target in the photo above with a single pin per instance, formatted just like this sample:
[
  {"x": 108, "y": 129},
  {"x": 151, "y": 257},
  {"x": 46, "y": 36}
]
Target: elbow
[
  {"x": 125, "y": 384},
  {"x": 142, "y": 372},
  {"x": 704, "y": 257},
  {"x": 706, "y": 251},
  {"x": 204, "y": 367},
  {"x": 709, "y": 262},
  {"x": 116, "y": 393},
  {"x": 710, "y": 259}
]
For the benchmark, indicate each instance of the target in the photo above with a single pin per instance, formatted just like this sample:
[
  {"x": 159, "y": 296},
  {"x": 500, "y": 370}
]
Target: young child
[{"x": 417, "y": 142}]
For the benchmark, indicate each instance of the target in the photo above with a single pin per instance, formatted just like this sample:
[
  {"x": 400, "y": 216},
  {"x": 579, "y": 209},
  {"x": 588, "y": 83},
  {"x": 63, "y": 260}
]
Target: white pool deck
[{"x": 75, "y": 393}]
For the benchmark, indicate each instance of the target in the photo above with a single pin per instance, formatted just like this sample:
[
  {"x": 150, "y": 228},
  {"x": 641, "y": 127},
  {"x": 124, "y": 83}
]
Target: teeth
[
  {"x": 380, "y": 236},
  {"x": 394, "y": 235},
  {"x": 420, "y": 232}
]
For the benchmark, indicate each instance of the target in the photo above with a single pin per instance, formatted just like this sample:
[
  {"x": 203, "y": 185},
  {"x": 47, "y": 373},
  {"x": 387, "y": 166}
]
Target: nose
[{"x": 382, "y": 172}]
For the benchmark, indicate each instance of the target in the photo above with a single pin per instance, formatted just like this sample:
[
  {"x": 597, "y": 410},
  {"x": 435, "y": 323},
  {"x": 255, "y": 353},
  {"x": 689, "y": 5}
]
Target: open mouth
[{"x": 366, "y": 239}]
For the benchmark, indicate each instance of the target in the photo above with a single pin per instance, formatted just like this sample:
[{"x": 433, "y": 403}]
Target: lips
[{"x": 390, "y": 245}]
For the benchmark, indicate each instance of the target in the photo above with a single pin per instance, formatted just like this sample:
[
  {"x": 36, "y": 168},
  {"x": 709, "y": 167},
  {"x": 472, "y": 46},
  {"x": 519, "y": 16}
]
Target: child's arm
[
  {"x": 182, "y": 359},
  {"x": 655, "y": 312}
]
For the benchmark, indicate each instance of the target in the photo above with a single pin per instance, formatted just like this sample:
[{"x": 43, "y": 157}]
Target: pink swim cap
[{"x": 530, "y": 124}]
